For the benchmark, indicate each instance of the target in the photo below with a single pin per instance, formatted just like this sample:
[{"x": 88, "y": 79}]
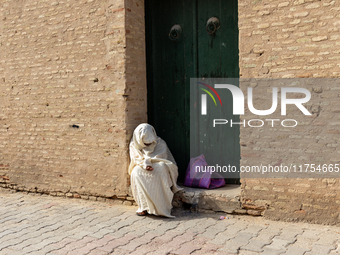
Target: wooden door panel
[
  {"x": 218, "y": 58},
  {"x": 171, "y": 64},
  {"x": 218, "y": 52}
]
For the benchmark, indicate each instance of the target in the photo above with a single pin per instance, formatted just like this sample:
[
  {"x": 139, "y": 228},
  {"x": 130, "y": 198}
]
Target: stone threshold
[{"x": 226, "y": 199}]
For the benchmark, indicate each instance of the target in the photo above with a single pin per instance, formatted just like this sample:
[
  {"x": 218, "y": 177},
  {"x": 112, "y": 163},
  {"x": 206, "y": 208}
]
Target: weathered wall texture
[
  {"x": 292, "y": 39},
  {"x": 135, "y": 64},
  {"x": 64, "y": 94},
  {"x": 289, "y": 39},
  {"x": 136, "y": 91}
]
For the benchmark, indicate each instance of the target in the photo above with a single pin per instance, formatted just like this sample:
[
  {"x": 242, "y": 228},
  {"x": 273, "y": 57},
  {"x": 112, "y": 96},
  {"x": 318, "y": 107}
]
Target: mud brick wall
[
  {"x": 66, "y": 71},
  {"x": 292, "y": 39},
  {"x": 136, "y": 90}
]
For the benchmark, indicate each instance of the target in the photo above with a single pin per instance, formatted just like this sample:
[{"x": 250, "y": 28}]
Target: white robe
[{"x": 153, "y": 190}]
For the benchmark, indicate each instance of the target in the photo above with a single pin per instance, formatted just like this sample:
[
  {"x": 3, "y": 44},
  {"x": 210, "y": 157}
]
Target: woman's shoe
[{"x": 144, "y": 213}]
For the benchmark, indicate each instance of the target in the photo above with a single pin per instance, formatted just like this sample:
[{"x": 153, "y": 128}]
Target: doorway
[{"x": 187, "y": 39}]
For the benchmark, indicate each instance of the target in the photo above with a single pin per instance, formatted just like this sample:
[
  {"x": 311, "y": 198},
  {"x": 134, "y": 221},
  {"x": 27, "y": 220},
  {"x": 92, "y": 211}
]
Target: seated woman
[{"x": 153, "y": 172}]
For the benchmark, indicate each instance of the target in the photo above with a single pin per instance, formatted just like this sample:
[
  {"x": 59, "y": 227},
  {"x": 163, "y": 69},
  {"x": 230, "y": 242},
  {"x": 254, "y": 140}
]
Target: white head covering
[{"x": 145, "y": 134}]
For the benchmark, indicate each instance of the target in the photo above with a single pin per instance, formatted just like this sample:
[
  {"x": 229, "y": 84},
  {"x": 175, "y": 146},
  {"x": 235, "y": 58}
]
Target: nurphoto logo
[
  {"x": 247, "y": 127},
  {"x": 238, "y": 104}
]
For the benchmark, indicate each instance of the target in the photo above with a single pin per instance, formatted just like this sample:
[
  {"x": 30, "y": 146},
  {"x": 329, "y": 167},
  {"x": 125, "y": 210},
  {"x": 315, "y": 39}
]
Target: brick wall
[
  {"x": 64, "y": 94},
  {"x": 292, "y": 39},
  {"x": 136, "y": 91}
]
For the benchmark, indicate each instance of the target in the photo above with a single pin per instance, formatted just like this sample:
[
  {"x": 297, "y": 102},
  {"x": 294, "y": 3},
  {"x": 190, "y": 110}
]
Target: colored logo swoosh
[
  {"x": 213, "y": 90},
  {"x": 209, "y": 95}
]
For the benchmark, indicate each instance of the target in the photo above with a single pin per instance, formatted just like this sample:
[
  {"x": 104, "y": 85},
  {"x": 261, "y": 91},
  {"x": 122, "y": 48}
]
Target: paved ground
[{"x": 49, "y": 225}]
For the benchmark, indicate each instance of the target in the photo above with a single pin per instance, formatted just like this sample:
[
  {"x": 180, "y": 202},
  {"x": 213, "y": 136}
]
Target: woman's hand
[{"x": 149, "y": 168}]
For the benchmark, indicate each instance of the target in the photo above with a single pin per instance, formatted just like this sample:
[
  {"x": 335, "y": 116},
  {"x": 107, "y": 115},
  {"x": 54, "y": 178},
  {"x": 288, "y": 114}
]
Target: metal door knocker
[
  {"x": 175, "y": 32},
  {"x": 213, "y": 24}
]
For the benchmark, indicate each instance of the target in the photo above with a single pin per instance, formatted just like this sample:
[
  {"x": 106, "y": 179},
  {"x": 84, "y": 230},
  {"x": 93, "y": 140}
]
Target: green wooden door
[{"x": 189, "y": 52}]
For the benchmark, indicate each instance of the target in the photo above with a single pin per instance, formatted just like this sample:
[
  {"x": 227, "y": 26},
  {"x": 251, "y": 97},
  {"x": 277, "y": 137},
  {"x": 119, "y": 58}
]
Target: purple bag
[{"x": 202, "y": 179}]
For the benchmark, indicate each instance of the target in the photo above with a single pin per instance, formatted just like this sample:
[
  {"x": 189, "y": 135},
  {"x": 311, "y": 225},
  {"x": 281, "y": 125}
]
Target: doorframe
[{"x": 141, "y": 37}]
